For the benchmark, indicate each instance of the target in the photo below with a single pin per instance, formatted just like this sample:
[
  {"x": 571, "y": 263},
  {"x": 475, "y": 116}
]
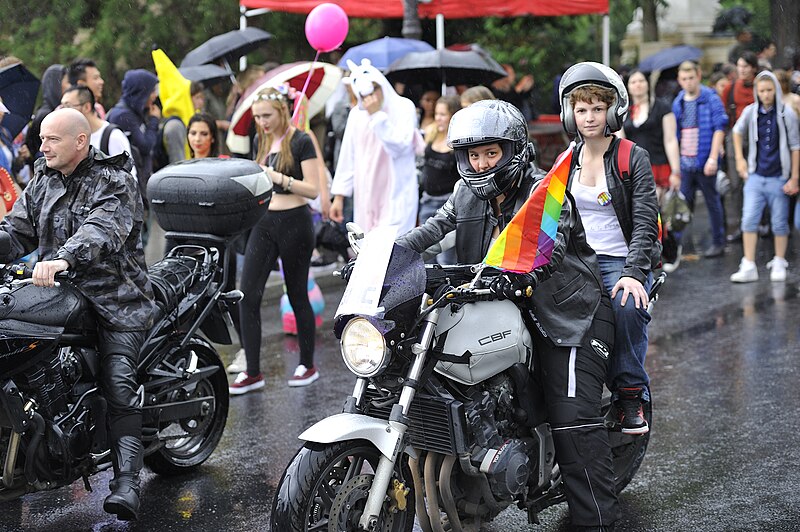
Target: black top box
[{"x": 217, "y": 196}]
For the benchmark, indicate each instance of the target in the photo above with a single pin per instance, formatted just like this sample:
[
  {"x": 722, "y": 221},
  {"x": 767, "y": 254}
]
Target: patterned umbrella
[{"x": 323, "y": 82}]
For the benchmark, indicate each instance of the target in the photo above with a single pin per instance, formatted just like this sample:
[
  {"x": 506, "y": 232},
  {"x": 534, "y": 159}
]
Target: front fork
[{"x": 398, "y": 421}]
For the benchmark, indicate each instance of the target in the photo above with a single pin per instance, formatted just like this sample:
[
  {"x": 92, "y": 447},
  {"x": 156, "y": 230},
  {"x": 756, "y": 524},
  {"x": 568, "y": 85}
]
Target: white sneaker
[
  {"x": 303, "y": 376},
  {"x": 747, "y": 273},
  {"x": 239, "y": 363},
  {"x": 777, "y": 267},
  {"x": 670, "y": 267}
]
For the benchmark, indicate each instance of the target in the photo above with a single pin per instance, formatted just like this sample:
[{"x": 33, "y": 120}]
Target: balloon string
[{"x": 305, "y": 85}]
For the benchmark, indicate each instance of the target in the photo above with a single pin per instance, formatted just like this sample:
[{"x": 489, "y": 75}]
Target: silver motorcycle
[{"x": 440, "y": 424}]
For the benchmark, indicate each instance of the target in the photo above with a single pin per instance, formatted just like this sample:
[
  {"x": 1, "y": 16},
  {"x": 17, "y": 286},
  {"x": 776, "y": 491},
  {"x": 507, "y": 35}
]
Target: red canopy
[{"x": 449, "y": 8}]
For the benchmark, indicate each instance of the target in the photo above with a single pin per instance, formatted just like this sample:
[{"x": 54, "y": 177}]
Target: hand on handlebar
[
  {"x": 513, "y": 286},
  {"x": 44, "y": 272},
  {"x": 347, "y": 270}
]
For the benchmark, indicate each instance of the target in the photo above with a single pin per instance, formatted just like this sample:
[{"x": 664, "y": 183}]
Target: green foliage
[
  {"x": 760, "y": 23},
  {"x": 120, "y": 34}
]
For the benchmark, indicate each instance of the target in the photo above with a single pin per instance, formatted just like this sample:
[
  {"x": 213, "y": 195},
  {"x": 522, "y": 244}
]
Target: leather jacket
[
  {"x": 636, "y": 205},
  {"x": 568, "y": 288}
]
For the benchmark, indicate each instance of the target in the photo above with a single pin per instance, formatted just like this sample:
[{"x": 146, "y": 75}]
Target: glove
[
  {"x": 513, "y": 286},
  {"x": 347, "y": 270}
]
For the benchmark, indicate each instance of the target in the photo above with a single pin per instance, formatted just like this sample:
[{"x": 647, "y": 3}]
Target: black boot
[
  {"x": 124, "y": 498},
  {"x": 629, "y": 405}
]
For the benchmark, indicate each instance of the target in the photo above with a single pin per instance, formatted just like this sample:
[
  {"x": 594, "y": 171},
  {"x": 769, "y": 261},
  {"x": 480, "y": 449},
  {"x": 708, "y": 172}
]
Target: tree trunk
[
  {"x": 649, "y": 20},
  {"x": 785, "y": 21},
  {"x": 411, "y": 26}
]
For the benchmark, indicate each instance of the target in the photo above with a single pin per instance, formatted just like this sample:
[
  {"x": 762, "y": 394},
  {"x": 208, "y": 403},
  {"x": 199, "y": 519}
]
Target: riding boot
[{"x": 127, "y": 460}]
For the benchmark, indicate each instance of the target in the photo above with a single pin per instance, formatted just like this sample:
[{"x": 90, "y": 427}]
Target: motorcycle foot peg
[{"x": 234, "y": 296}]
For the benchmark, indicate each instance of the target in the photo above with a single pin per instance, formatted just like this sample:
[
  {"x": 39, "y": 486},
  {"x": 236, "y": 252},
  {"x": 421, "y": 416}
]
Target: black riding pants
[
  {"x": 571, "y": 381},
  {"x": 289, "y": 235},
  {"x": 119, "y": 353}
]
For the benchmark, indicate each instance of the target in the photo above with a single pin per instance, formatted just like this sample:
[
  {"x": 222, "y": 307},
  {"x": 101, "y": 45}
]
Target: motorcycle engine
[
  {"x": 51, "y": 382},
  {"x": 499, "y": 452}
]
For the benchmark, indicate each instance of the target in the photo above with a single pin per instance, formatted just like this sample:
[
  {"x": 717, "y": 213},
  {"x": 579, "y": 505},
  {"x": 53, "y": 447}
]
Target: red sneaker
[
  {"x": 304, "y": 376},
  {"x": 245, "y": 383}
]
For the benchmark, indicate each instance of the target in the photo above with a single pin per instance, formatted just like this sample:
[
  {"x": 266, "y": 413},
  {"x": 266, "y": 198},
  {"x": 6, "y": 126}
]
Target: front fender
[{"x": 344, "y": 427}]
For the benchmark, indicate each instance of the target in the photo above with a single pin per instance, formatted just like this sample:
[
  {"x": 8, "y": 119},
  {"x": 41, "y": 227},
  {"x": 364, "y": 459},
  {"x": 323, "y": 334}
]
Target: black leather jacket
[
  {"x": 568, "y": 288},
  {"x": 636, "y": 205}
]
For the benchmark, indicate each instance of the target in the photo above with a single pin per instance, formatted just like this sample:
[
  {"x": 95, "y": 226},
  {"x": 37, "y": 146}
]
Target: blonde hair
[
  {"x": 689, "y": 66},
  {"x": 280, "y": 102},
  {"x": 476, "y": 94}
]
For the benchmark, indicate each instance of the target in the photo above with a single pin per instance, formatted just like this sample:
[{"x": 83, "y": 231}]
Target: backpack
[
  {"x": 160, "y": 155},
  {"x": 624, "y": 154},
  {"x": 106, "y": 136}
]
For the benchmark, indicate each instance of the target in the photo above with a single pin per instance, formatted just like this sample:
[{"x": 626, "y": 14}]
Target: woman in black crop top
[
  {"x": 439, "y": 174},
  {"x": 285, "y": 231}
]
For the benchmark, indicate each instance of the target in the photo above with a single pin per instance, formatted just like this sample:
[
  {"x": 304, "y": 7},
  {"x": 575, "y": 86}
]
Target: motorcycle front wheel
[
  {"x": 325, "y": 487},
  {"x": 185, "y": 443}
]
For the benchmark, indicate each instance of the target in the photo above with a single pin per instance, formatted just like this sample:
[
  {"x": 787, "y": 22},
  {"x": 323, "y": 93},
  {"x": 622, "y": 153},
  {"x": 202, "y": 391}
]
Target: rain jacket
[
  {"x": 747, "y": 126},
  {"x": 93, "y": 220},
  {"x": 376, "y": 164},
  {"x": 135, "y": 121},
  {"x": 568, "y": 288}
]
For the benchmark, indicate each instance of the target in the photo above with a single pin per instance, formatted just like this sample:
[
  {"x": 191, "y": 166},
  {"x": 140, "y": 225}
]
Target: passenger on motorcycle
[
  {"x": 569, "y": 306},
  {"x": 83, "y": 212},
  {"x": 620, "y": 214}
]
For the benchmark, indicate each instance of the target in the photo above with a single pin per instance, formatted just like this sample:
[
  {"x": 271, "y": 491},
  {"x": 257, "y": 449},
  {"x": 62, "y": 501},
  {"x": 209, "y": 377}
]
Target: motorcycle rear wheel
[
  {"x": 308, "y": 489},
  {"x": 193, "y": 438},
  {"x": 627, "y": 451}
]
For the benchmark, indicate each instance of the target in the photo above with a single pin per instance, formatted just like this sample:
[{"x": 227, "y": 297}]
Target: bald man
[{"x": 83, "y": 212}]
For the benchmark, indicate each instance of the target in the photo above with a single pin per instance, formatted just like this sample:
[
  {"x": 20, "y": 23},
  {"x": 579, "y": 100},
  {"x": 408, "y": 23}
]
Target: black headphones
[{"x": 590, "y": 73}]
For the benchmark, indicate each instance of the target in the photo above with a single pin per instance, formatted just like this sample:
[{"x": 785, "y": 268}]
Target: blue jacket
[{"x": 711, "y": 118}]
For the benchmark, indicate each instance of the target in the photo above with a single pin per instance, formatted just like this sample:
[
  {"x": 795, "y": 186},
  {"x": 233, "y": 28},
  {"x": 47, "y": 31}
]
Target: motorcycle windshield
[{"x": 385, "y": 277}]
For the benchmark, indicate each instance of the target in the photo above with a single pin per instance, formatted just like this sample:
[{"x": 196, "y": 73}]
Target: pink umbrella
[{"x": 324, "y": 81}]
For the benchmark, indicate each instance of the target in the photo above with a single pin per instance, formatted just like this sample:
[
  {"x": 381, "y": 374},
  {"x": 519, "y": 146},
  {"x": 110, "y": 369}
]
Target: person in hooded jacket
[
  {"x": 376, "y": 165},
  {"x": 770, "y": 172},
  {"x": 53, "y": 86},
  {"x": 571, "y": 310},
  {"x": 137, "y": 116}
]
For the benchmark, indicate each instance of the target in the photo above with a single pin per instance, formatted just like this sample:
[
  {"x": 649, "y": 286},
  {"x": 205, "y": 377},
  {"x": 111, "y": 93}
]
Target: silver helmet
[
  {"x": 591, "y": 73},
  {"x": 488, "y": 122}
]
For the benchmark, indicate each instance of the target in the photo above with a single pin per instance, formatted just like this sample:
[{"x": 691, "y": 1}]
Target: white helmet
[{"x": 590, "y": 73}]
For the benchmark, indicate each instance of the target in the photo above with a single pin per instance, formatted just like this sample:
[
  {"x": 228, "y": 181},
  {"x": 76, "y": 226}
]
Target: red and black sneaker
[{"x": 631, "y": 412}]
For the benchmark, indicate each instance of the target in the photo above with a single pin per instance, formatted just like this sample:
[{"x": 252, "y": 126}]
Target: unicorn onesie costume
[{"x": 376, "y": 162}]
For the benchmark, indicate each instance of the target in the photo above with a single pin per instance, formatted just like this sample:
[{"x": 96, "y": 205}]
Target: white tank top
[{"x": 603, "y": 232}]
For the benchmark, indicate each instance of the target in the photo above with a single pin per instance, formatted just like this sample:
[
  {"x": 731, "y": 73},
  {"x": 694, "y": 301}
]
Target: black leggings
[{"x": 289, "y": 235}]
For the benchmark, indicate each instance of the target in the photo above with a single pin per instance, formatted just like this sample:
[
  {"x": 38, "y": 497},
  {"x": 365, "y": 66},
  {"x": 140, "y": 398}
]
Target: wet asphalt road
[{"x": 724, "y": 362}]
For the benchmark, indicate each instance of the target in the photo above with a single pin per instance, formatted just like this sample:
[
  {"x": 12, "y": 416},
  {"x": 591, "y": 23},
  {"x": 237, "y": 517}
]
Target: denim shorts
[{"x": 761, "y": 192}]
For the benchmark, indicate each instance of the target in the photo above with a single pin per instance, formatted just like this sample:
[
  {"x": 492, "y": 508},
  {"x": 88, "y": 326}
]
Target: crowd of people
[{"x": 449, "y": 172}]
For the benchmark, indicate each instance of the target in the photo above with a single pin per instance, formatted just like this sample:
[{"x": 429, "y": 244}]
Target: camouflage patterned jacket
[{"x": 93, "y": 220}]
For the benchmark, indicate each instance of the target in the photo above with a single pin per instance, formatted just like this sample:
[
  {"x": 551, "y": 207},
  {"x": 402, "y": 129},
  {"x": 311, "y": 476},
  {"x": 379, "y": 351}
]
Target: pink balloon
[{"x": 326, "y": 27}]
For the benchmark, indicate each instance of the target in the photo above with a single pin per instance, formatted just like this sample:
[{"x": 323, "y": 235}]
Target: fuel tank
[{"x": 491, "y": 331}]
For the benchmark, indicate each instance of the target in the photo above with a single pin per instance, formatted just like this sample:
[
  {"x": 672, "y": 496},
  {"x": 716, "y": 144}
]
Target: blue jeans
[
  {"x": 691, "y": 180},
  {"x": 760, "y": 192},
  {"x": 626, "y": 367}
]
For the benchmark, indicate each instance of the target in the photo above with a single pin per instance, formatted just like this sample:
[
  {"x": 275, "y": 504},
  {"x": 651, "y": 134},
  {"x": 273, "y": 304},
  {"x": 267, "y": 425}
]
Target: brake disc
[{"x": 348, "y": 506}]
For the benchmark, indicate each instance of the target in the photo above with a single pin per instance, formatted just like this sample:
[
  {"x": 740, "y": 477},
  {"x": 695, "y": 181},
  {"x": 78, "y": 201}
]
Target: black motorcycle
[{"x": 52, "y": 413}]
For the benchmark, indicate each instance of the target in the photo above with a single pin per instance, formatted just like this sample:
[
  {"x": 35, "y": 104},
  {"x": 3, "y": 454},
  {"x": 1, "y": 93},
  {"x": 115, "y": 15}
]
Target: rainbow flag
[
  {"x": 527, "y": 241},
  {"x": 300, "y": 118}
]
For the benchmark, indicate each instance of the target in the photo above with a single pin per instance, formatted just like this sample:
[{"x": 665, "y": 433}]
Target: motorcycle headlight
[{"x": 364, "y": 348}]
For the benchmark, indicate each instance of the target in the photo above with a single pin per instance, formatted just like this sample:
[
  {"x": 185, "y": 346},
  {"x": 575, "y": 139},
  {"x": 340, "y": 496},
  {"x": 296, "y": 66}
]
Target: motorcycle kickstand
[{"x": 86, "y": 484}]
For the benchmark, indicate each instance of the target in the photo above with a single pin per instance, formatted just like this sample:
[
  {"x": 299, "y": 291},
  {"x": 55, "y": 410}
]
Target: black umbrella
[
  {"x": 18, "y": 88},
  {"x": 208, "y": 74},
  {"x": 447, "y": 66},
  {"x": 227, "y": 47}
]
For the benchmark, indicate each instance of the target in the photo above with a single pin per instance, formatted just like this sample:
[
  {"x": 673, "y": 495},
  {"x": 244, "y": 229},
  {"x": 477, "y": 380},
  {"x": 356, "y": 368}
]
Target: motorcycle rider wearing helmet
[
  {"x": 620, "y": 214},
  {"x": 570, "y": 308}
]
